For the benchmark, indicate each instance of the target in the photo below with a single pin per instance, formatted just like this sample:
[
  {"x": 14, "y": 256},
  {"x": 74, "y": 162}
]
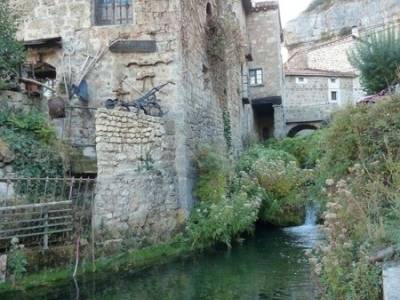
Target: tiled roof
[{"x": 318, "y": 73}]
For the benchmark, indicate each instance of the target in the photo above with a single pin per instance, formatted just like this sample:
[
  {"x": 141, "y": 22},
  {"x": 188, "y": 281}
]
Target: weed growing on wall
[
  {"x": 11, "y": 52},
  {"x": 33, "y": 142},
  {"x": 227, "y": 128},
  {"x": 16, "y": 262}
]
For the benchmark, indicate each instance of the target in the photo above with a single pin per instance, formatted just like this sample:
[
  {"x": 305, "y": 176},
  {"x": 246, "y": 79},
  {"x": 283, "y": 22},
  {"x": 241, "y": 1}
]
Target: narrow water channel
[{"x": 270, "y": 265}]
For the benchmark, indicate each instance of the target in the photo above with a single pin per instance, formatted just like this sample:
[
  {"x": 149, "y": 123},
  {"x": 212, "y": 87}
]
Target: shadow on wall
[{"x": 264, "y": 119}]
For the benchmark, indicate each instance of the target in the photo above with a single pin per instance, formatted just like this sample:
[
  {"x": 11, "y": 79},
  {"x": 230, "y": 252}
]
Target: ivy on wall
[{"x": 32, "y": 141}]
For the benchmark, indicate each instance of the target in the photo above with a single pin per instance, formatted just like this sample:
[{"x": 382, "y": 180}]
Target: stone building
[
  {"x": 312, "y": 95},
  {"x": 88, "y": 51},
  {"x": 319, "y": 79}
]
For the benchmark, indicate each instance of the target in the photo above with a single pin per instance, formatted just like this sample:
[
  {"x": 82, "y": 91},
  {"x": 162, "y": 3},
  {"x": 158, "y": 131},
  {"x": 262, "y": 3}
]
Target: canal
[{"x": 269, "y": 265}]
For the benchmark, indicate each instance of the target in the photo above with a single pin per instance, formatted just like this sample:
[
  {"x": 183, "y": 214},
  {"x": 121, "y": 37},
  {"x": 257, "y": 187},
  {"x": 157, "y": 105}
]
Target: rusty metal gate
[{"x": 44, "y": 211}]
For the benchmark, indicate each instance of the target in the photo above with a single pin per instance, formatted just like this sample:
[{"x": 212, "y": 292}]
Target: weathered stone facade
[
  {"x": 207, "y": 97},
  {"x": 265, "y": 34},
  {"x": 313, "y": 95},
  {"x": 137, "y": 184}
]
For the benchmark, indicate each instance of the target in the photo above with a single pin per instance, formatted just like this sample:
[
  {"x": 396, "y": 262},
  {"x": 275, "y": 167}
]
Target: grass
[{"x": 129, "y": 261}]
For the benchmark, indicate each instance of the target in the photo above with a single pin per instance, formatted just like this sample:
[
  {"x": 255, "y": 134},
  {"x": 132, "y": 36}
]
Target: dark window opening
[
  {"x": 112, "y": 12},
  {"x": 256, "y": 76},
  {"x": 334, "y": 96},
  {"x": 209, "y": 10}
]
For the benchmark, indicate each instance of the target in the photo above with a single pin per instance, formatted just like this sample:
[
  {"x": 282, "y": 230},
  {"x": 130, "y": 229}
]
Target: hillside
[{"x": 327, "y": 18}]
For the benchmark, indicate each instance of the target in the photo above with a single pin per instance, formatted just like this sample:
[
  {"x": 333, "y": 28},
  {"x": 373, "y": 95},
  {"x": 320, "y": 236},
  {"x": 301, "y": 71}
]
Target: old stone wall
[
  {"x": 135, "y": 73},
  {"x": 137, "y": 192},
  {"x": 335, "y": 18},
  {"x": 211, "y": 84},
  {"x": 265, "y": 40},
  {"x": 315, "y": 91},
  {"x": 332, "y": 56}
]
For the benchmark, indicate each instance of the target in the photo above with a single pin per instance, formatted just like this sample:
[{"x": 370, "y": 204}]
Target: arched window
[{"x": 112, "y": 12}]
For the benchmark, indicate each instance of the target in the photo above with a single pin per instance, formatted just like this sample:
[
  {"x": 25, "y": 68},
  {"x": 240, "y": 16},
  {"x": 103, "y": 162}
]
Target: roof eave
[{"x": 247, "y": 5}]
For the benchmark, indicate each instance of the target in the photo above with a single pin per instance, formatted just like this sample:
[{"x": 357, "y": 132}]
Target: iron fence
[{"x": 44, "y": 211}]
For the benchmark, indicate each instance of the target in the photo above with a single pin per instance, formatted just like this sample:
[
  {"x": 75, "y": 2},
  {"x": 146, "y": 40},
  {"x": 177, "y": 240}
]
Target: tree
[
  {"x": 377, "y": 58},
  {"x": 12, "y": 52}
]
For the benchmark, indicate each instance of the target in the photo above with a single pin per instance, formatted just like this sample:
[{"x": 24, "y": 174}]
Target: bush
[
  {"x": 363, "y": 210},
  {"x": 278, "y": 174},
  {"x": 306, "y": 149},
  {"x": 377, "y": 58},
  {"x": 228, "y": 203},
  {"x": 213, "y": 176},
  {"x": 33, "y": 143},
  {"x": 11, "y": 52}
]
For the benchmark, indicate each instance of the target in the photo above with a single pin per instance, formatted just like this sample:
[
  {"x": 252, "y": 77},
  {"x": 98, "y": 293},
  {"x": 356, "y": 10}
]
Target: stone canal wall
[{"x": 136, "y": 196}]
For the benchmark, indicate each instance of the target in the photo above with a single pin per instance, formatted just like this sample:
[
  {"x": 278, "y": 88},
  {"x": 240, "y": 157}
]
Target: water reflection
[{"x": 271, "y": 265}]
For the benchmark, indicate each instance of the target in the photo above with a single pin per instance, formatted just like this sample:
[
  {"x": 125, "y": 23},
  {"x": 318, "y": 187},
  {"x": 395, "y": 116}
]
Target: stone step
[{"x": 391, "y": 281}]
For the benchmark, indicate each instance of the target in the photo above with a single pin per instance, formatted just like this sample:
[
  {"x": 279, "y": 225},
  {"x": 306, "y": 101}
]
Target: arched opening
[
  {"x": 302, "y": 129},
  {"x": 209, "y": 10}
]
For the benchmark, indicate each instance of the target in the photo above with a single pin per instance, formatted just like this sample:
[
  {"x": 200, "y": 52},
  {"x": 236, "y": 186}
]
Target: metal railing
[{"x": 44, "y": 211}]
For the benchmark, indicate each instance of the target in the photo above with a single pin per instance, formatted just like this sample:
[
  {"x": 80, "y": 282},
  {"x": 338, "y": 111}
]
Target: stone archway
[{"x": 301, "y": 127}]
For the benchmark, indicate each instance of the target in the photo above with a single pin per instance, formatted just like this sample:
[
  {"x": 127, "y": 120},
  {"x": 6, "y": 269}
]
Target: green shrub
[
  {"x": 224, "y": 221},
  {"x": 33, "y": 142},
  {"x": 260, "y": 151},
  {"x": 306, "y": 149},
  {"x": 377, "y": 57},
  {"x": 16, "y": 262},
  {"x": 213, "y": 176},
  {"x": 278, "y": 174},
  {"x": 363, "y": 210},
  {"x": 228, "y": 203},
  {"x": 11, "y": 52}
]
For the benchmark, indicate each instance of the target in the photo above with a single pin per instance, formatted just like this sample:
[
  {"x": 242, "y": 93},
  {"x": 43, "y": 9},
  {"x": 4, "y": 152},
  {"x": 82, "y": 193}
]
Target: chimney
[{"x": 355, "y": 32}]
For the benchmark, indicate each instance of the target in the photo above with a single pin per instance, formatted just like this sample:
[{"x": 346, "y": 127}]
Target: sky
[{"x": 290, "y": 9}]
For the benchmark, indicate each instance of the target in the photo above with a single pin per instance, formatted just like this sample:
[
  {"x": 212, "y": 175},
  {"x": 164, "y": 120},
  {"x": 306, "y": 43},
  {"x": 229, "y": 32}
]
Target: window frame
[
  {"x": 258, "y": 75},
  {"x": 100, "y": 20},
  {"x": 299, "y": 81}
]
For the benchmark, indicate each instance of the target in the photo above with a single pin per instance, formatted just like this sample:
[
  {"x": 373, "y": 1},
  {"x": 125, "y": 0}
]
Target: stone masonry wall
[
  {"x": 332, "y": 56},
  {"x": 202, "y": 96},
  {"x": 136, "y": 197},
  {"x": 316, "y": 91},
  {"x": 265, "y": 40},
  {"x": 73, "y": 21}
]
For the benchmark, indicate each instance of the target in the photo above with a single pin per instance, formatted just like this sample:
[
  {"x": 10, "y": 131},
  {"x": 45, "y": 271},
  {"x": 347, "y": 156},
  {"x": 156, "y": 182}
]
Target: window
[
  {"x": 334, "y": 96},
  {"x": 301, "y": 80},
  {"x": 256, "y": 76},
  {"x": 333, "y": 80},
  {"x": 111, "y": 12}
]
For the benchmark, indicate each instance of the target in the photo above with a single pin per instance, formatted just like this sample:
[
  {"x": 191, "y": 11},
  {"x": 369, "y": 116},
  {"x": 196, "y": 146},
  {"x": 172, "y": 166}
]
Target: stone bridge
[{"x": 298, "y": 119}]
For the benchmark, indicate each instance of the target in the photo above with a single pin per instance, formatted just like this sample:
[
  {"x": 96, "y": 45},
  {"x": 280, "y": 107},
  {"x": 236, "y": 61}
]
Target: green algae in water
[{"x": 270, "y": 265}]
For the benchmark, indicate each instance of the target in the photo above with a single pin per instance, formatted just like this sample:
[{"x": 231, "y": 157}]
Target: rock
[
  {"x": 337, "y": 19},
  {"x": 6, "y": 156}
]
